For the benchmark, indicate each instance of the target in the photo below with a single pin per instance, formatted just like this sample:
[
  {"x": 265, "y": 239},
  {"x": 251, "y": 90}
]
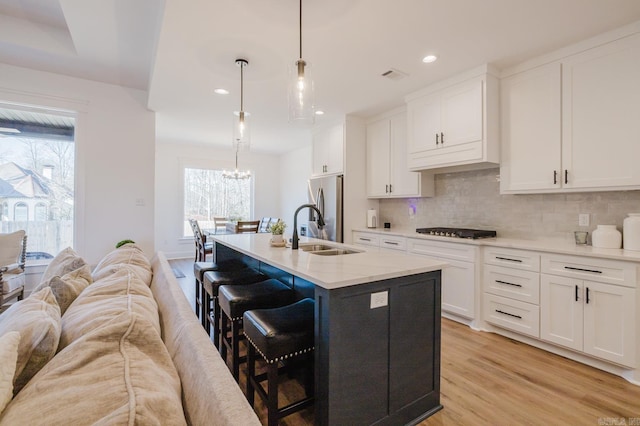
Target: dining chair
[
  {"x": 220, "y": 222},
  {"x": 13, "y": 257},
  {"x": 266, "y": 222},
  {"x": 248, "y": 226}
]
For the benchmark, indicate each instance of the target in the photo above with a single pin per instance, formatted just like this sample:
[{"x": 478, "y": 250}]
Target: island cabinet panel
[{"x": 378, "y": 351}]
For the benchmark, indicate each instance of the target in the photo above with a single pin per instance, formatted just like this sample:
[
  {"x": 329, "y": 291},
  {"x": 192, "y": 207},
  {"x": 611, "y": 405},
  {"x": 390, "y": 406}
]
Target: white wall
[
  {"x": 115, "y": 137},
  {"x": 171, "y": 158},
  {"x": 295, "y": 169}
]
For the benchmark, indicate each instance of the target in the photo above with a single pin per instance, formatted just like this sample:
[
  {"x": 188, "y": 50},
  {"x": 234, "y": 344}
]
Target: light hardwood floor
[{"x": 488, "y": 379}]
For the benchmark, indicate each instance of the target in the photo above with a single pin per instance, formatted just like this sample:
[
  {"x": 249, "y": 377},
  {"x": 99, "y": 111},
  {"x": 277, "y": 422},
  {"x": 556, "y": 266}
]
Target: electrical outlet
[
  {"x": 583, "y": 219},
  {"x": 379, "y": 299}
]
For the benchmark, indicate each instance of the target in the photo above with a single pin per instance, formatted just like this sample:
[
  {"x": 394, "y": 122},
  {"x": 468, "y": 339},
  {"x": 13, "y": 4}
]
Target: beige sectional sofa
[{"x": 116, "y": 345}]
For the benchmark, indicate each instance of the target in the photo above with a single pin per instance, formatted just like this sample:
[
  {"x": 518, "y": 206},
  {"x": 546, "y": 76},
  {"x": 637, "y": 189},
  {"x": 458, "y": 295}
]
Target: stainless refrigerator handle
[
  {"x": 321, "y": 201},
  {"x": 339, "y": 212}
]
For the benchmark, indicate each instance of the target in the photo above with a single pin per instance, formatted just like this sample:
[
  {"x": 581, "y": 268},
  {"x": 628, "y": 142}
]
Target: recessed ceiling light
[
  {"x": 319, "y": 112},
  {"x": 429, "y": 58},
  {"x": 221, "y": 91}
]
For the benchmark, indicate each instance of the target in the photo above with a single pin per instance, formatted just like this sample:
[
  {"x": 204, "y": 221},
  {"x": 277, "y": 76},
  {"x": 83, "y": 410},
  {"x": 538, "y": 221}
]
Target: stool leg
[
  {"x": 223, "y": 335},
  {"x": 272, "y": 402},
  {"x": 197, "y": 289},
  {"x": 216, "y": 325},
  {"x": 235, "y": 348},
  {"x": 251, "y": 372},
  {"x": 205, "y": 308}
]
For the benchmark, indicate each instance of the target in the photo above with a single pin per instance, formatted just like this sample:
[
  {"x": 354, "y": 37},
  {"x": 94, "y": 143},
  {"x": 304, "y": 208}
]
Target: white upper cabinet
[
  {"x": 455, "y": 123},
  {"x": 328, "y": 150},
  {"x": 388, "y": 174},
  {"x": 572, "y": 125}
]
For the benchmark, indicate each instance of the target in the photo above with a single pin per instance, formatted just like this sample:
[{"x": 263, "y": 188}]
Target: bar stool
[
  {"x": 211, "y": 282},
  {"x": 279, "y": 334},
  {"x": 235, "y": 300}
]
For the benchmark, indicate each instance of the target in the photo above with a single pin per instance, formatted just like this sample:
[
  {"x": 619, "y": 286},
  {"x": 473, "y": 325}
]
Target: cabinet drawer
[
  {"x": 511, "y": 258},
  {"x": 511, "y": 314},
  {"x": 366, "y": 239},
  {"x": 512, "y": 283},
  {"x": 454, "y": 251},
  {"x": 393, "y": 243},
  {"x": 589, "y": 268}
]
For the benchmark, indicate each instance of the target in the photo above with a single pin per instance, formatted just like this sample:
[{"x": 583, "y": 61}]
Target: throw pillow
[
  {"x": 37, "y": 318},
  {"x": 63, "y": 263},
  {"x": 128, "y": 254},
  {"x": 11, "y": 247},
  {"x": 119, "y": 373},
  {"x": 69, "y": 286},
  {"x": 8, "y": 358}
]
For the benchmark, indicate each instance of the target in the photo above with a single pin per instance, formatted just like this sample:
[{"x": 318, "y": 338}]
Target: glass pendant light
[
  {"x": 241, "y": 129},
  {"x": 301, "y": 89}
]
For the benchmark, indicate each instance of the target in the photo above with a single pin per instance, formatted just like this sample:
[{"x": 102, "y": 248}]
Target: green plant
[
  {"x": 277, "y": 228},
  {"x": 123, "y": 242}
]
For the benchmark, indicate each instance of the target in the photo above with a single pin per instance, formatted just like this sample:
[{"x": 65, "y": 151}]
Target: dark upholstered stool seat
[
  {"x": 279, "y": 334},
  {"x": 211, "y": 282},
  {"x": 235, "y": 300}
]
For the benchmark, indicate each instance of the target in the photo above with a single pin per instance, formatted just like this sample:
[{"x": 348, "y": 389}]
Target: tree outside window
[{"x": 208, "y": 195}]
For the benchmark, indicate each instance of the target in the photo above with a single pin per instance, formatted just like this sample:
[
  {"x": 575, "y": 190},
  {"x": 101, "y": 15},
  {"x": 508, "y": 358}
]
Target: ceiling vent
[{"x": 394, "y": 74}]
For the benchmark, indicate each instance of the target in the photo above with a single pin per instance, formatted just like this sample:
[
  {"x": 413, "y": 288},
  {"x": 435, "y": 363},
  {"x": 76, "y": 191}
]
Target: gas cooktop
[{"x": 457, "y": 232}]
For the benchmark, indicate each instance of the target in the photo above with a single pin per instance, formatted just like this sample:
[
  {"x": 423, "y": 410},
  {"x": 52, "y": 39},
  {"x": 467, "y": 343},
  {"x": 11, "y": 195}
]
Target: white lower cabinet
[
  {"x": 458, "y": 278},
  {"x": 595, "y": 318}
]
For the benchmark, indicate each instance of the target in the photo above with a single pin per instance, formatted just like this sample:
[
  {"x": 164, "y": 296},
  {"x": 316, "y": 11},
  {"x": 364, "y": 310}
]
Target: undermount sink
[
  {"x": 325, "y": 250},
  {"x": 333, "y": 252},
  {"x": 315, "y": 247}
]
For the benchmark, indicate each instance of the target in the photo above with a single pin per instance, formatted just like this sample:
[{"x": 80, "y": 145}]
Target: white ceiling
[{"x": 181, "y": 50}]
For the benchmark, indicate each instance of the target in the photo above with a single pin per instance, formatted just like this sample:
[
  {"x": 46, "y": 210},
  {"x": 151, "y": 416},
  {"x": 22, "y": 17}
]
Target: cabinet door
[
  {"x": 423, "y": 123},
  {"x": 461, "y": 121},
  {"x": 378, "y": 158},
  {"x": 561, "y": 315},
  {"x": 328, "y": 150},
  {"x": 335, "y": 152},
  {"x": 458, "y": 288},
  {"x": 404, "y": 183},
  {"x": 601, "y": 130},
  {"x": 610, "y": 322},
  {"x": 531, "y": 130}
]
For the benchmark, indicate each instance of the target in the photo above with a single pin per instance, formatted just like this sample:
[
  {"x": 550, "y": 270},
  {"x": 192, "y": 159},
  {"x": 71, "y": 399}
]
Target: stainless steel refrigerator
[{"x": 326, "y": 194}]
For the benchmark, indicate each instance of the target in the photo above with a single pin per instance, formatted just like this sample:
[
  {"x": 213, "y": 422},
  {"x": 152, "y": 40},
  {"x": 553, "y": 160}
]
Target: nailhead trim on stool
[
  {"x": 279, "y": 334},
  {"x": 211, "y": 284},
  {"x": 235, "y": 300}
]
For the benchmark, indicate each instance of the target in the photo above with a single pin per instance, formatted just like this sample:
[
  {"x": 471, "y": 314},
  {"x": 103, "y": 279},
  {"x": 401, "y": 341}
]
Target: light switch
[{"x": 379, "y": 299}]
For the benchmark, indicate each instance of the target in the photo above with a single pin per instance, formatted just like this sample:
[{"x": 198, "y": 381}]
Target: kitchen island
[{"x": 377, "y": 326}]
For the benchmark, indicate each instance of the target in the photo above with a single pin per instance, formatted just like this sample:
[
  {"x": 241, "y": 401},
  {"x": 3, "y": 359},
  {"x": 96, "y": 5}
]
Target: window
[
  {"x": 207, "y": 195},
  {"x": 37, "y": 158}
]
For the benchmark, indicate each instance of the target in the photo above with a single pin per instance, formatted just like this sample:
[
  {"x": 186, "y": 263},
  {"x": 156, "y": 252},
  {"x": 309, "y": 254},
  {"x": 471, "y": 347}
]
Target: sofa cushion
[
  {"x": 8, "y": 359},
  {"x": 67, "y": 287},
  {"x": 118, "y": 373},
  {"x": 37, "y": 319},
  {"x": 129, "y": 254},
  {"x": 63, "y": 263},
  {"x": 104, "y": 299},
  {"x": 11, "y": 282}
]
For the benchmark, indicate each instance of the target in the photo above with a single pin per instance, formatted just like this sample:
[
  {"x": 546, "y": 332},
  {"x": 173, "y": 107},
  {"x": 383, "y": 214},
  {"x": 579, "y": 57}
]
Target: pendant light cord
[
  {"x": 300, "y": 29},
  {"x": 241, "y": 89}
]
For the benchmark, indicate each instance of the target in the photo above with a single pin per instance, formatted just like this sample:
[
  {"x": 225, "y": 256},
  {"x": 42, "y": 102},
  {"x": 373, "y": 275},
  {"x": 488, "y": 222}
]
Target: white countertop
[
  {"x": 557, "y": 246},
  {"x": 330, "y": 272}
]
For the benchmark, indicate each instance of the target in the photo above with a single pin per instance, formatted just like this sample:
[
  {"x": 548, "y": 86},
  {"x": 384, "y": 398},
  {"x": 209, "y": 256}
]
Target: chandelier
[{"x": 236, "y": 174}]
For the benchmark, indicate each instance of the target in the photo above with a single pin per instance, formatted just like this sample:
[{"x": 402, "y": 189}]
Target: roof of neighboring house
[{"x": 18, "y": 182}]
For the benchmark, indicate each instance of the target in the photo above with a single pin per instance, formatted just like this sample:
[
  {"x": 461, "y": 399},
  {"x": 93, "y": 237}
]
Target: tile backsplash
[{"x": 472, "y": 200}]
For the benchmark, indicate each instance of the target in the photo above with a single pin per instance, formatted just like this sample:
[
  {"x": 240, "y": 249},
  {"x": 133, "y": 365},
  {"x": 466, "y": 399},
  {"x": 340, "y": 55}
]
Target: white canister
[
  {"x": 606, "y": 236},
  {"x": 631, "y": 231}
]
